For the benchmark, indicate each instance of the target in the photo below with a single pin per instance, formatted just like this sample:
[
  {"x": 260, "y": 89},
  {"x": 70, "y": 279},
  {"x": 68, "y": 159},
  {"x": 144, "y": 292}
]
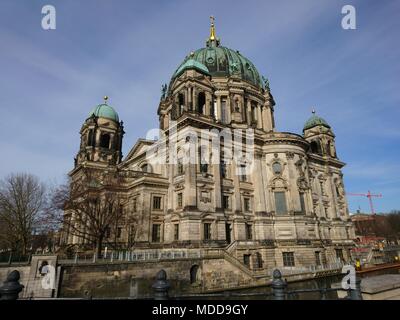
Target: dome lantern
[
  {"x": 220, "y": 61},
  {"x": 212, "y": 40},
  {"x": 104, "y": 110}
]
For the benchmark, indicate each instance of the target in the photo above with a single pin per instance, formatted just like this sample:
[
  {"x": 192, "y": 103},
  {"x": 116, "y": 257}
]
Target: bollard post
[
  {"x": 278, "y": 286},
  {"x": 355, "y": 294},
  {"x": 11, "y": 287},
  {"x": 161, "y": 286}
]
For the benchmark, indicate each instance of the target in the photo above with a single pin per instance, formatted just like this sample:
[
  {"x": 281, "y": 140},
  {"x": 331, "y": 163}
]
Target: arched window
[
  {"x": 280, "y": 202},
  {"x": 259, "y": 260},
  {"x": 203, "y": 159},
  {"x": 315, "y": 147},
  {"x": 242, "y": 172},
  {"x": 201, "y": 102},
  {"x": 146, "y": 168},
  {"x": 105, "y": 140},
  {"x": 194, "y": 270},
  {"x": 90, "y": 140},
  {"x": 223, "y": 168},
  {"x": 181, "y": 101}
]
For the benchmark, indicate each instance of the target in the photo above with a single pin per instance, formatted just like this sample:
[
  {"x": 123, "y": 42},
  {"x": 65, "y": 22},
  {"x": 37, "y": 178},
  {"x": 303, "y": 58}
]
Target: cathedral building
[{"x": 220, "y": 176}]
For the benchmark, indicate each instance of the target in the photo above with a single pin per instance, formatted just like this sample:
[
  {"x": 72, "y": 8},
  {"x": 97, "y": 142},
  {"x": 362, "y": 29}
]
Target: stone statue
[
  {"x": 266, "y": 83},
  {"x": 332, "y": 150},
  {"x": 163, "y": 91},
  {"x": 340, "y": 189},
  {"x": 234, "y": 68}
]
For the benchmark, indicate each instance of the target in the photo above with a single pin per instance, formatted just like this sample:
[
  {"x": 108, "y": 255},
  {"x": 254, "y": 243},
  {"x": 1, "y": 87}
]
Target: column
[
  {"x": 333, "y": 197},
  {"x": 236, "y": 202},
  {"x": 266, "y": 125},
  {"x": 208, "y": 104},
  {"x": 97, "y": 134},
  {"x": 259, "y": 117},
  {"x": 219, "y": 111},
  {"x": 248, "y": 112},
  {"x": 293, "y": 194},
  {"x": 228, "y": 109},
  {"x": 188, "y": 99},
  {"x": 242, "y": 108},
  {"x": 257, "y": 174},
  {"x": 194, "y": 100},
  {"x": 190, "y": 196},
  {"x": 217, "y": 184}
]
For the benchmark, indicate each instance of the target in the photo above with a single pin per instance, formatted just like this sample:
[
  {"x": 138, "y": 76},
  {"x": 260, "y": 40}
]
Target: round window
[{"x": 277, "y": 168}]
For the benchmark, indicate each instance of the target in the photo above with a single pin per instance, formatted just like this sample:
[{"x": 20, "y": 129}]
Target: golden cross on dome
[
  {"x": 212, "y": 28},
  {"x": 313, "y": 111},
  {"x": 105, "y": 99}
]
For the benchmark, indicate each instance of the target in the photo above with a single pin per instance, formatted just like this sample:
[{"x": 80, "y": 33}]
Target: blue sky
[{"x": 50, "y": 80}]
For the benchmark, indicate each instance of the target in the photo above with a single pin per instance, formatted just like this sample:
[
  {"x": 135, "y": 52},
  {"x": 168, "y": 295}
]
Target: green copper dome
[
  {"x": 222, "y": 62},
  {"x": 219, "y": 61},
  {"x": 315, "y": 121},
  {"x": 104, "y": 111},
  {"x": 191, "y": 64}
]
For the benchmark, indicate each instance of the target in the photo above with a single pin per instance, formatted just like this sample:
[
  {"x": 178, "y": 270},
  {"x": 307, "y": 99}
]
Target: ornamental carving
[
  {"x": 299, "y": 166},
  {"x": 278, "y": 183},
  {"x": 205, "y": 196},
  {"x": 339, "y": 188},
  {"x": 289, "y": 155},
  {"x": 302, "y": 183}
]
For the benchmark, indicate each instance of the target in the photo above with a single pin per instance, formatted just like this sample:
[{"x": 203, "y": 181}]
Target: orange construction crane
[{"x": 369, "y": 195}]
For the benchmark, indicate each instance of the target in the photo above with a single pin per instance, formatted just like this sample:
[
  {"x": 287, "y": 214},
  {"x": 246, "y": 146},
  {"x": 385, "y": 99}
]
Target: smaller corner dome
[
  {"x": 104, "y": 111},
  {"x": 192, "y": 64},
  {"x": 315, "y": 121}
]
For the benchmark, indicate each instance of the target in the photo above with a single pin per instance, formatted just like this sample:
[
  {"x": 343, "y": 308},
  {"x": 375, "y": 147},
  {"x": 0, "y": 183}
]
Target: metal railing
[
  {"x": 278, "y": 285},
  {"x": 9, "y": 258},
  {"x": 309, "y": 269},
  {"x": 279, "y": 290},
  {"x": 132, "y": 256}
]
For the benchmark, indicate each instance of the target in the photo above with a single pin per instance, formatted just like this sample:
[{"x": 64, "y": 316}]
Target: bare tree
[
  {"x": 394, "y": 221},
  {"x": 89, "y": 208},
  {"x": 22, "y": 198}
]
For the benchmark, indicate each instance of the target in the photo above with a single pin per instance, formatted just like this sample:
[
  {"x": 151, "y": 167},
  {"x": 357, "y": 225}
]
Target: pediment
[{"x": 140, "y": 147}]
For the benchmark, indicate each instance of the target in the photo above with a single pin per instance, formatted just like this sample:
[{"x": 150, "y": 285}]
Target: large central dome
[{"x": 222, "y": 62}]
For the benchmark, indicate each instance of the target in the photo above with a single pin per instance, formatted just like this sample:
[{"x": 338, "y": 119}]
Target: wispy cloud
[{"x": 51, "y": 80}]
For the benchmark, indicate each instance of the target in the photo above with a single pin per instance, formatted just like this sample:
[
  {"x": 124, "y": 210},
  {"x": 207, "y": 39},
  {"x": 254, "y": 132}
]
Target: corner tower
[
  {"x": 320, "y": 136},
  {"x": 101, "y": 137}
]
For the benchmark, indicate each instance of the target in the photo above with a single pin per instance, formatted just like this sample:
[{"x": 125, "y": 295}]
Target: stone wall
[
  {"x": 219, "y": 273},
  {"x": 133, "y": 279}
]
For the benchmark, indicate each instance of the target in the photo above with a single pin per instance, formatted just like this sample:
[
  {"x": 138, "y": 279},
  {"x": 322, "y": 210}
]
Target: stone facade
[{"x": 279, "y": 201}]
